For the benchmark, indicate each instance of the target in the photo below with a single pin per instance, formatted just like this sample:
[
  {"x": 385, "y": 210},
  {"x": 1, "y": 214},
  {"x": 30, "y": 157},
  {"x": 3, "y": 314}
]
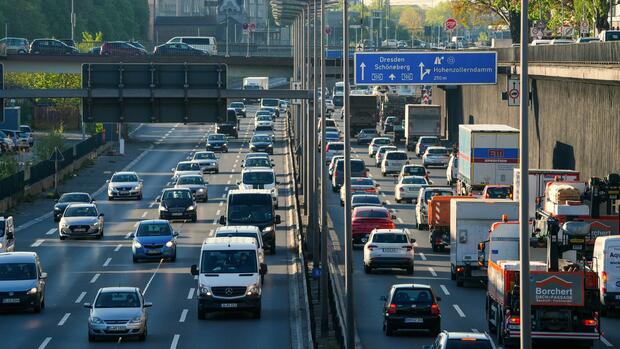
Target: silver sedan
[
  {"x": 81, "y": 220},
  {"x": 196, "y": 184}
]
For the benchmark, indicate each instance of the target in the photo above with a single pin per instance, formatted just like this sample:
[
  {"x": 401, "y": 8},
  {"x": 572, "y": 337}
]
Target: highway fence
[{"x": 17, "y": 183}]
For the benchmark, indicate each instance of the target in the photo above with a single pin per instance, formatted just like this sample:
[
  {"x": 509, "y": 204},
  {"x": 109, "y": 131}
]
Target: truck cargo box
[
  {"x": 538, "y": 180},
  {"x": 422, "y": 120}
]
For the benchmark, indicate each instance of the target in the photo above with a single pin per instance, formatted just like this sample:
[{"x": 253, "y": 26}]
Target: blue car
[{"x": 154, "y": 240}]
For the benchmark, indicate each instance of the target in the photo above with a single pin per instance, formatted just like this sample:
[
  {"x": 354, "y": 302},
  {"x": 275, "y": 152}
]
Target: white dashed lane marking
[
  {"x": 445, "y": 290},
  {"x": 80, "y": 298},
  {"x": 94, "y": 279},
  {"x": 432, "y": 271},
  {"x": 458, "y": 310},
  {"x": 51, "y": 231},
  {"x": 64, "y": 319},
  {"x": 190, "y": 294},
  {"x": 37, "y": 243},
  {"x": 45, "y": 342}
]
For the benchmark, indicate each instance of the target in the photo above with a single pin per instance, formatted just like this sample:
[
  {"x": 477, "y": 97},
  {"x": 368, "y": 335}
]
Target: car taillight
[
  {"x": 459, "y": 269},
  {"x": 514, "y": 320},
  {"x": 435, "y": 309},
  {"x": 589, "y": 322},
  {"x": 604, "y": 280},
  {"x": 391, "y": 309},
  {"x": 371, "y": 247},
  {"x": 391, "y": 225}
]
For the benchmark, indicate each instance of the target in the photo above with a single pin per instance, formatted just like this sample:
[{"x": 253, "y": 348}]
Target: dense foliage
[{"x": 117, "y": 19}]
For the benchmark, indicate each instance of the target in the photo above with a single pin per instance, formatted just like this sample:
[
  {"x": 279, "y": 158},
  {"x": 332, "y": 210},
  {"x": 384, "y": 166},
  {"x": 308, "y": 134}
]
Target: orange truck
[{"x": 439, "y": 221}]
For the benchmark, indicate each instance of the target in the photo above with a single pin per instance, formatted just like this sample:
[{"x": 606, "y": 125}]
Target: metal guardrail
[{"x": 159, "y": 93}]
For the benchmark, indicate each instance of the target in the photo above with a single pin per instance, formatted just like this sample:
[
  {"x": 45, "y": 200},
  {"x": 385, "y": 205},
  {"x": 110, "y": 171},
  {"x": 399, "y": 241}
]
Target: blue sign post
[{"x": 425, "y": 68}]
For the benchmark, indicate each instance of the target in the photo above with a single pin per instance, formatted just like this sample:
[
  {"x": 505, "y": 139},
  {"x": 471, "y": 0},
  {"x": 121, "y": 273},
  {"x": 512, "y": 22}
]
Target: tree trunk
[{"x": 515, "y": 26}]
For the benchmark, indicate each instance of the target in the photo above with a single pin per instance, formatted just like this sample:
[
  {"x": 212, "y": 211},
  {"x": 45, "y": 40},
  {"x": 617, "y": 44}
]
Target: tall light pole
[
  {"x": 524, "y": 252},
  {"x": 72, "y": 21},
  {"x": 324, "y": 230},
  {"x": 348, "y": 242},
  {"x": 227, "y": 16}
]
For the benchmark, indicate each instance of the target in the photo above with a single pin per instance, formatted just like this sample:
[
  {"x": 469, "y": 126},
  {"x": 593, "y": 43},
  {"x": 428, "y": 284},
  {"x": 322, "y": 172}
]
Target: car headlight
[
  {"x": 137, "y": 244},
  {"x": 64, "y": 225},
  {"x": 191, "y": 208},
  {"x": 95, "y": 320},
  {"x": 204, "y": 290},
  {"x": 56, "y": 208},
  {"x": 33, "y": 290},
  {"x": 95, "y": 224},
  {"x": 162, "y": 208},
  {"x": 1, "y": 245},
  {"x": 253, "y": 290},
  {"x": 270, "y": 145},
  {"x": 169, "y": 244},
  {"x": 269, "y": 229},
  {"x": 201, "y": 190},
  {"x": 208, "y": 144},
  {"x": 137, "y": 187},
  {"x": 136, "y": 320}
]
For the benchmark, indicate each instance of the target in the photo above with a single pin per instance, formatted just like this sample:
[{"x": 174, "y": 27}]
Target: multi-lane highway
[
  {"x": 78, "y": 268},
  {"x": 462, "y": 309}
]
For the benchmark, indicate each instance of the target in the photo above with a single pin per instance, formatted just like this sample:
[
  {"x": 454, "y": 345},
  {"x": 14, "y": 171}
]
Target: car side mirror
[
  {"x": 172, "y": 169},
  {"x": 43, "y": 276},
  {"x": 141, "y": 180},
  {"x": 101, "y": 215},
  {"x": 148, "y": 304},
  {"x": 263, "y": 269},
  {"x": 222, "y": 220},
  {"x": 132, "y": 235},
  {"x": 55, "y": 201},
  {"x": 393, "y": 216},
  {"x": 412, "y": 240},
  {"x": 438, "y": 299},
  {"x": 383, "y": 298},
  {"x": 194, "y": 269},
  {"x": 10, "y": 236},
  {"x": 87, "y": 305},
  {"x": 93, "y": 202},
  {"x": 107, "y": 181},
  {"x": 277, "y": 182},
  {"x": 383, "y": 203},
  {"x": 277, "y": 220},
  {"x": 175, "y": 234},
  {"x": 158, "y": 199}
]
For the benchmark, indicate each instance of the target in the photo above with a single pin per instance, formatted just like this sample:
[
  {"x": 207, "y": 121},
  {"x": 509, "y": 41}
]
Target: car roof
[
  {"x": 414, "y": 165},
  {"x": 175, "y": 189},
  {"x": 126, "y": 173},
  {"x": 190, "y": 175},
  {"x": 17, "y": 257},
  {"x": 154, "y": 221},
  {"x": 82, "y": 204},
  {"x": 118, "y": 289},
  {"x": 461, "y": 335},
  {"x": 389, "y": 231},
  {"x": 186, "y": 162},
  {"x": 258, "y": 169},
  {"x": 370, "y": 208},
  {"x": 229, "y": 242},
  {"x": 420, "y": 177},
  {"x": 248, "y": 191},
  {"x": 423, "y": 286},
  {"x": 365, "y": 196},
  {"x": 215, "y": 134},
  {"x": 237, "y": 228},
  {"x": 436, "y": 147},
  {"x": 204, "y": 152},
  {"x": 75, "y": 192}
]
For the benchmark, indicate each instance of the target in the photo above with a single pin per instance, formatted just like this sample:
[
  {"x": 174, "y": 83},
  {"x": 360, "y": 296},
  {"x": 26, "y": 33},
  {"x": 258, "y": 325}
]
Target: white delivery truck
[
  {"x": 538, "y": 180},
  {"x": 421, "y": 120},
  {"x": 606, "y": 263},
  {"x": 488, "y": 154},
  {"x": 470, "y": 223},
  {"x": 255, "y": 83}
]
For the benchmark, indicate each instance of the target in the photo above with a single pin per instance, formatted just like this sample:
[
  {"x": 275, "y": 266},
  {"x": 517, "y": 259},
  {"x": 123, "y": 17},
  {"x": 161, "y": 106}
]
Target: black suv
[
  {"x": 217, "y": 142},
  {"x": 411, "y": 307},
  {"x": 177, "y": 204}
]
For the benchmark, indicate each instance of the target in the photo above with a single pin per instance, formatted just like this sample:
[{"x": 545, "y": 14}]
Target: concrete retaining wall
[{"x": 573, "y": 124}]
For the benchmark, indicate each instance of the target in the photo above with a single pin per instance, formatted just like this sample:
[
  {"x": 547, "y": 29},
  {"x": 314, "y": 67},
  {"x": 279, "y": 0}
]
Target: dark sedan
[
  {"x": 67, "y": 199},
  {"x": 177, "y": 203},
  {"x": 121, "y": 48},
  {"x": 411, "y": 307},
  {"x": 177, "y": 49}
]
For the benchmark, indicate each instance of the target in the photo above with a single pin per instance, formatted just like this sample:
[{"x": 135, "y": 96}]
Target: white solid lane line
[
  {"x": 458, "y": 310},
  {"x": 175, "y": 341},
  {"x": 399, "y": 220},
  {"x": 51, "y": 231},
  {"x": 422, "y": 256},
  {"x": 37, "y": 243},
  {"x": 94, "y": 279},
  {"x": 64, "y": 319},
  {"x": 432, "y": 271},
  {"x": 107, "y": 262},
  {"x": 190, "y": 294},
  {"x": 445, "y": 290},
  {"x": 217, "y": 213},
  {"x": 183, "y": 315},
  {"x": 606, "y": 342},
  {"x": 80, "y": 298},
  {"x": 118, "y": 247},
  {"x": 221, "y": 203},
  {"x": 144, "y": 214},
  {"x": 45, "y": 342}
]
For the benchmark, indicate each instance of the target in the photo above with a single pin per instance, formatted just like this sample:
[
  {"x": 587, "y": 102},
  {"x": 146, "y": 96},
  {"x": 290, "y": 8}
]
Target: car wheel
[
  {"x": 435, "y": 331},
  {"x": 37, "y": 308},
  {"x": 110, "y": 198},
  {"x": 173, "y": 258},
  {"x": 201, "y": 314},
  {"x": 398, "y": 201},
  {"x": 142, "y": 337},
  {"x": 272, "y": 250},
  {"x": 383, "y": 174},
  {"x": 100, "y": 236},
  {"x": 140, "y": 196},
  {"x": 334, "y": 189},
  {"x": 194, "y": 219},
  {"x": 256, "y": 313},
  {"x": 389, "y": 329},
  {"x": 459, "y": 283},
  {"x": 410, "y": 269},
  {"x": 452, "y": 275},
  {"x": 367, "y": 268},
  {"x": 61, "y": 237},
  {"x": 91, "y": 337},
  {"x": 217, "y": 171},
  {"x": 341, "y": 203}
]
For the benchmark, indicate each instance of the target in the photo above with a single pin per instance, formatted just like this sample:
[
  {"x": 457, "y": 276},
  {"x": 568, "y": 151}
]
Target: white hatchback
[
  {"x": 389, "y": 248},
  {"x": 408, "y": 188},
  {"x": 376, "y": 143},
  {"x": 393, "y": 161},
  {"x": 436, "y": 156}
]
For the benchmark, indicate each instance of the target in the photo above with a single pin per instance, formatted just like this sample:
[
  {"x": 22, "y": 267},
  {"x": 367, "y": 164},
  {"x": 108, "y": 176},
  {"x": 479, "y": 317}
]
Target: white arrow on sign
[
  {"x": 362, "y": 66},
  {"x": 392, "y": 77},
  {"x": 423, "y": 72}
]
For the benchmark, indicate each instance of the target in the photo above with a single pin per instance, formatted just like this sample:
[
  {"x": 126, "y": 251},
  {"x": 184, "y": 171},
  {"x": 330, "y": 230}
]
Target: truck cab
[{"x": 7, "y": 234}]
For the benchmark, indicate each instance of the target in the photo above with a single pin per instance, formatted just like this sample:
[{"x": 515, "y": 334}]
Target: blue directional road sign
[{"x": 426, "y": 68}]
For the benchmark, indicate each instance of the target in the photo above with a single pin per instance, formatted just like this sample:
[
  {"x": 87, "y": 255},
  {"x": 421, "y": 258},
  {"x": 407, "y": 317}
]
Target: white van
[
  {"x": 260, "y": 178},
  {"x": 229, "y": 276},
  {"x": 203, "y": 43},
  {"x": 246, "y": 231},
  {"x": 606, "y": 263}
]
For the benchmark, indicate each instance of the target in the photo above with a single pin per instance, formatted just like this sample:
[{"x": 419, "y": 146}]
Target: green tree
[
  {"x": 412, "y": 18},
  {"x": 45, "y": 145},
  {"x": 8, "y": 166}
]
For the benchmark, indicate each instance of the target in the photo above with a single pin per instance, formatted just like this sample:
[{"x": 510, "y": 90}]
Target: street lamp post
[
  {"x": 72, "y": 21},
  {"x": 324, "y": 267},
  {"x": 227, "y": 37}
]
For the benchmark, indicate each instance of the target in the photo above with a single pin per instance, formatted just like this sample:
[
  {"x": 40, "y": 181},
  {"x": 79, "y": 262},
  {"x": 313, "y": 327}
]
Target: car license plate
[
  {"x": 390, "y": 250},
  {"x": 10, "y": 300},
  {"x": 413, "y": 320},
  {"x": 116, "y": 328},
  {"x": 79, "y": 230},
  {"x": 152, "y": 252},
  {"x": 228, "y": 305},
  {"x": 176, "y": 214}
]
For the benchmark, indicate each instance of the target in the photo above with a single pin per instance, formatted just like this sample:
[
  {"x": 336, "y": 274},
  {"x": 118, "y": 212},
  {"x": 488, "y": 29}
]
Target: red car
[
  {"x": 121, "y": 48},
  {"x": 367, "y": 218}
]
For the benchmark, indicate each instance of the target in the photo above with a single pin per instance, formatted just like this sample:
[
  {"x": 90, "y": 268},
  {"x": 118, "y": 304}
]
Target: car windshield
[
  {"x": 154, "y": 229},
  {"x": 367, "y": 131},
  {"x": 74, "y": 198},
  {"x": 238, "y": 234},
  {"x": 381, "y": 141},
  {"x": 438, "y": 151},
  {"x": 335, "y": 146},
  {"x": 270, "y": 102},
  {"x": 414, "y": 180},
  {"x": 415, "y": 170},
  {"x": 177, "y": 195},
  {"x": 217, "y": 138},
  {"x": 429, "y": 140},
  {"x": 204, "y": 156},
  {"x": 430, "y": 193},
  {"x": 390, "y": 238},
  {"x": 263, "y": 128},
  {"x": 371, "y": 214},
  {"x": 191, "y": 180},
  {"x": 250, "y": 208},
  {"x": 499, "y": 192},
  {"x": 264, "y": 113},
  {"x": 356, "y": 165},
  {"x": 384, "y": 149},
  {"x": 366, "y": 199},
  {"x": 118, "y": 300},
  {"x": 17, "y": 271},
  {"x": 409, "y": 296},
  {"x": 394, "y": 155},
  {"x": 261, "y": 139},
  {"x": 85, "y": 211},
  {"x": 258, "y": 177},
  {"x": 258, "y": 162},
  {"x": 332, "y": 135},
  {"x": 362, "y": 181},
  {"x": 468, "y": 343},
  {"x": 263, "y": 118},
  {"x": 188, "y": 166},
  {"x": 25, "y": 129},
  {"x": 124, "y": 178},
  {"x": 236, "y": 105},
  {"x": 228, "y": 262},
  {"x": 330, "y": 122},
  {"x": 331, "y": 129}
]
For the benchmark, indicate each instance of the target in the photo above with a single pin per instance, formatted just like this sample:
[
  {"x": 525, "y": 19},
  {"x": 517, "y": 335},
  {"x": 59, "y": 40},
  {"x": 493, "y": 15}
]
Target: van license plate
[
  {"x": 10, "y": 300},
  {"x": 116, "y": 328},
  {"x": 228, "y": 305},
  {"x": 413, "y": 320}
]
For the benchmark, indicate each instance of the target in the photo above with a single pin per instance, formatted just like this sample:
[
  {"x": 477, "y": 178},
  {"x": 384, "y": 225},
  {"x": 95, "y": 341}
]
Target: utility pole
[
  {"x": 227, "y": 15},
  {"x": 348, "y": 242},
  {"x": 313, "y": 136},
  {"x": 324, "y": 267},
  {"x": 524, "y": 250},
  {"x": 72, "y": 21}
]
